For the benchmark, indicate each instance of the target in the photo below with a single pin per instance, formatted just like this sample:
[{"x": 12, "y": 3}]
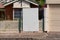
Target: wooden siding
[{"x": 9, "y": 12}]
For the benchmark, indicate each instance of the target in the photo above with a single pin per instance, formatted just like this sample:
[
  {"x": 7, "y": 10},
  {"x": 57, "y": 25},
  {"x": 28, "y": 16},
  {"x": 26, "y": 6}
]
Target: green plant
[{"x": 40, "y": 2}]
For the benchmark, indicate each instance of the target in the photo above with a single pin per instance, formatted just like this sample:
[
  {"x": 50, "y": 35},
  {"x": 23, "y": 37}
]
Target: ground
[{"x": 31, "y": 36}]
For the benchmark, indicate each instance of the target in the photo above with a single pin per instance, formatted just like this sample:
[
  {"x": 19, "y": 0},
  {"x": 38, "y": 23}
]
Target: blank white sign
[{"x": 30, "y": 19}]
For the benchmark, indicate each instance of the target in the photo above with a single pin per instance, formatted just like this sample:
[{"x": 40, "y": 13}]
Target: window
[
  {"x": 17, "y": 13},
  {"x": 2, "y": 15},
  {"x": 18, "y": 16}
]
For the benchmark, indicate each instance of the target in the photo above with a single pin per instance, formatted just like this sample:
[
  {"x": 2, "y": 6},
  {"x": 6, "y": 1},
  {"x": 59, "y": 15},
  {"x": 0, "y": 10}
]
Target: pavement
[
  {"x": 52, "y": 36},
  {"x": 30, "y": 36},
  {"x": 23, "y": 36}
]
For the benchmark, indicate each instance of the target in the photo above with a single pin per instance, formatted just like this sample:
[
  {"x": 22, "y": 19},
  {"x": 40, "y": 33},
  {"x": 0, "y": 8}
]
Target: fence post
[{"x": 19, "y": 25}]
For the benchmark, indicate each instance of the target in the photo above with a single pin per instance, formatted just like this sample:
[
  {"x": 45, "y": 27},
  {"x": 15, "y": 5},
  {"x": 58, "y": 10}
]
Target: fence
[{"x": 9, "y": 26}]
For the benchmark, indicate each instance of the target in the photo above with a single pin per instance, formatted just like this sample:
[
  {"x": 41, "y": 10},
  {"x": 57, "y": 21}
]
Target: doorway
[{"x": 18, "y": 15}]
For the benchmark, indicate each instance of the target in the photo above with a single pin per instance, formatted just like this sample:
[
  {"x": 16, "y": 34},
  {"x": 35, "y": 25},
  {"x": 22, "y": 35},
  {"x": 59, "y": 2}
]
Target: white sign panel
[{"x": 30, "y": 19}]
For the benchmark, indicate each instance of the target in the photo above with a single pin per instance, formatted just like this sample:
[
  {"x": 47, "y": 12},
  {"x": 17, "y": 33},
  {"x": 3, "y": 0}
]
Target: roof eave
[{"x": 17, "y": 0}]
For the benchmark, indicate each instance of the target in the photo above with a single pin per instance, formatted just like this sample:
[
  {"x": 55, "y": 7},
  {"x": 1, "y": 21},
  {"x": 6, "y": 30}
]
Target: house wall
[
  {"x": 52, "y": 1},
  {"x": 24, "y": 4},
  {"x": 9, "y": 12},
  {"x": 52, "y": 18}
]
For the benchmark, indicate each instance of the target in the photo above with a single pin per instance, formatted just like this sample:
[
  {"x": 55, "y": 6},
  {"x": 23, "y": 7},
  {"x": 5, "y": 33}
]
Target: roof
[
  {"x": 32, "y": 1},
  {"x": 1, "y": 5},
  {"x": 12, "y": 1}
]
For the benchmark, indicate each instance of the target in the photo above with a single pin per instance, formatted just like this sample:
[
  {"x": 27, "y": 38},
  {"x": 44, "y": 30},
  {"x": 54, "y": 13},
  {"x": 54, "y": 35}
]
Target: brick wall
[{"x": 9, "y": 12}]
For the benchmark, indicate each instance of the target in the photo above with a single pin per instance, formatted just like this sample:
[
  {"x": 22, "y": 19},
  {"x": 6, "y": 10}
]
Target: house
[
  {"x": 13, "y": 8},
  {"x": 52, "y": 16},
  {"x": 26, "y": 10}
]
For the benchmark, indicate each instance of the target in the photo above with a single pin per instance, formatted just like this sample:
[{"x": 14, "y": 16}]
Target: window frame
[{"x": 14, "y": 13}]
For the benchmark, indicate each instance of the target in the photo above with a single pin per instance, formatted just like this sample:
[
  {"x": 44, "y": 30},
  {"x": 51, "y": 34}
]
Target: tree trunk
[{"x": 41, "y": 12}]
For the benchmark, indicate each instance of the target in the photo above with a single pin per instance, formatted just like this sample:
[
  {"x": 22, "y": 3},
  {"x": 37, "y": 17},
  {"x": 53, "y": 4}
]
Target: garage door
[
  {"x": 54, "y": 18},
  {"x": 30, "y": 19}
]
